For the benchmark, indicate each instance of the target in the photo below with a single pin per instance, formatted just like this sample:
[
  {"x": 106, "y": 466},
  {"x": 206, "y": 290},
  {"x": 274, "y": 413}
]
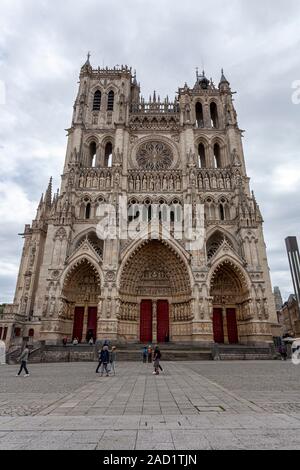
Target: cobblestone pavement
[{"x": 203, "y": 405}]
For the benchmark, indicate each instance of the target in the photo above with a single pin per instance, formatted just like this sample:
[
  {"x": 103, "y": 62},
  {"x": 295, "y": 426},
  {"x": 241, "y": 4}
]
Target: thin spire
[
  {"x": 41, "y": 201},
  {"x": 134, "y": 77},
  {"x": 48, "y": 196},
  {"x": 223, "y": 78}
]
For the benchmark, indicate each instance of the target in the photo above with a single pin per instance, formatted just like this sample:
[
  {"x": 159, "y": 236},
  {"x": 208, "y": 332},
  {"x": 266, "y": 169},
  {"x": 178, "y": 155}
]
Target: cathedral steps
[{"x": 170, "y": 352}]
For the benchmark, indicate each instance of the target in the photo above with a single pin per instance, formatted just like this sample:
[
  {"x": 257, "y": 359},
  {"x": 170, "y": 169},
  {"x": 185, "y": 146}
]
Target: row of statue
[
  {"x": 128, "y": 311},
  {"x": 151, "y": 182},
  {"x": 93, "y": 179},
  {"x": 181, "y": 312},
  {"x": 210, "y": 180}
]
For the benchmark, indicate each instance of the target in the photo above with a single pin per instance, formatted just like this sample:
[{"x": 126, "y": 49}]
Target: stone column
[
  {"x": 154, "y": 321},
  {"x": 225, "y": 330},
  {"x": 85, "y": 322},
  {"x": 206, "y": 112}
]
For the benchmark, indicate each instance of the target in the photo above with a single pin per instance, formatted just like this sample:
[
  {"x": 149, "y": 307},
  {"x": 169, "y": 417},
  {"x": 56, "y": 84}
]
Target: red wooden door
[
  {"x": 92, "y": 323},
  {"x": 146, "y": 321},
  {"x": 163, "y": 321},
  {"x": 218, "y": 326},
  {"x": 78, "y": 323},
  {"x": 232, "y": 329}
]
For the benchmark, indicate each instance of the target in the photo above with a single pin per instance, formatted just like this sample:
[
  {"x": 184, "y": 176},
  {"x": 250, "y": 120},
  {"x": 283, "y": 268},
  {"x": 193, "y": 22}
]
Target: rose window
[{"x": 154, "y": 156}]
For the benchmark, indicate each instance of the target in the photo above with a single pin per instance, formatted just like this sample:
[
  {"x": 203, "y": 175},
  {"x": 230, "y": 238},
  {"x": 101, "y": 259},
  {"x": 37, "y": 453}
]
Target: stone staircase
[{"x": 170, "y": 352}]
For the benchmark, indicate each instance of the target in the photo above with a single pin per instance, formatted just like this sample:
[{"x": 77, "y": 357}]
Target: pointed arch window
[
  {"x": 97, "y": 101},
  {"x": 88, "y": 211},
  {"x": 201, "y": 156},
  {"x": 108, "y": 155},
  {"x": 217, "y": 156},
  {"x": 199, "y": 116},
  {"x": 214, "y": 115},
  {"x": 222, "y": 212},
  {"x": 110, "y": 101},
  {"x": 93, "y": 154}
]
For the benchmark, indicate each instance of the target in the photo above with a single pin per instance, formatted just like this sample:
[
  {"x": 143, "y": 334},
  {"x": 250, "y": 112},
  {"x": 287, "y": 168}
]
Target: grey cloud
[{"x": 43, "y": 44}]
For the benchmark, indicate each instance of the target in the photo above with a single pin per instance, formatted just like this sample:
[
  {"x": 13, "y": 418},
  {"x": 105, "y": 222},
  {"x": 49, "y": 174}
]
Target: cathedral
[{"x": 154, "y": 157}]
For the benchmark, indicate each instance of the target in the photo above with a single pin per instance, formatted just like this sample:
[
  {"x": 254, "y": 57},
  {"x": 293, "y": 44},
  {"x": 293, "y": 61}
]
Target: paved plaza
[{"x": 192, "y": 405}]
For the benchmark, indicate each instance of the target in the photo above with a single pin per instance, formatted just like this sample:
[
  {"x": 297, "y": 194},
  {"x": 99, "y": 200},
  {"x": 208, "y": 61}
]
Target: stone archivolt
[
  {"x": 155, "y": 270},
  {"x": 82, "y": 283}
]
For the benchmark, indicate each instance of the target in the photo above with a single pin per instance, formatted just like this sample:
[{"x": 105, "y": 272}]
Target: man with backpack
[{"x": 156, "y": 363}]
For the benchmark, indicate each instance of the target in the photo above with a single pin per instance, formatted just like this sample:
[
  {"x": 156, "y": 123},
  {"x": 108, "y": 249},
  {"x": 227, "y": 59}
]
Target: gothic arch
[
  {"x": 80, "y": 237},
  {"x": 230, "y": 263},
  {"x": 154, "y": 260},
  {"x": 134, "y": 248},
  {"x": 90, "y": 139},
  {"x": 225, "y": 233},
  {"x": 106, "y": 139},
  {"x": 77, "y": 262}
]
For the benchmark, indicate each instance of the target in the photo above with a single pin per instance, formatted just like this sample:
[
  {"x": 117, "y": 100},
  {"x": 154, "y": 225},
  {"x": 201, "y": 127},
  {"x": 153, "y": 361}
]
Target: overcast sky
[{"x": 44, "y": 43}]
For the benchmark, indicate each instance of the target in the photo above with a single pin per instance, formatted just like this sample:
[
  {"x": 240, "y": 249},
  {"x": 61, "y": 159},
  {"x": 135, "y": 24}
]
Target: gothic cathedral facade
[{"x": 149, "y": 288}]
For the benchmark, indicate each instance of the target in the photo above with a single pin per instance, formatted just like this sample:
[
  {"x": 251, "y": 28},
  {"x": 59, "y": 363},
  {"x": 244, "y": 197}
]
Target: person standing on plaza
[
  {"x": 24, "y": 359},
  {"x": 145, "y": 354},
  {"x": 112, "y": 359},
  {"x": 149, "y": 354},
  {"x": 104, "y": 358}
]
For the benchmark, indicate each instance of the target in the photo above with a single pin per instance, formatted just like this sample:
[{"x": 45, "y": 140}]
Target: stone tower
[{"x": 159, "y": 156}]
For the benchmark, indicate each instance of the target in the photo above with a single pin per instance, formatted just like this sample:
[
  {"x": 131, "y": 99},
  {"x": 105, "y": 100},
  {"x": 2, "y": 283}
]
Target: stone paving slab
[{"x": 190, "y": 406}]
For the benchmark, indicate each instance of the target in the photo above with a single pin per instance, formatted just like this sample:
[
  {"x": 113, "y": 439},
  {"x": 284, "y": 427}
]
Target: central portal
[
  {"x": 155, "y": 294},
  {"x": 154, "y": 325}
]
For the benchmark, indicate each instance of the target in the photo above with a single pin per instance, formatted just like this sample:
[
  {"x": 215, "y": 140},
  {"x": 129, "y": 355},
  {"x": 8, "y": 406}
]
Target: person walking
[
  {"x": 24, "y": 359},
  {"x": 104, "y": 358},
  {"x": 145, "y": 354},
  {"x": 156, "y": 363},
  {"x": 99, "y": 361},
  {"x": 283, "y": 352},
  {"x": 149, "y": 354},
  {"x": 112, "y": 359},
  {"x": 105, "y": 345}
]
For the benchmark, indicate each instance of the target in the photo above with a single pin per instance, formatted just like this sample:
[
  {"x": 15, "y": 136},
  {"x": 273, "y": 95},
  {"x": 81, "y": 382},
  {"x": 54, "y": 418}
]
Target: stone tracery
[{"x": 154, "y": 155}]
